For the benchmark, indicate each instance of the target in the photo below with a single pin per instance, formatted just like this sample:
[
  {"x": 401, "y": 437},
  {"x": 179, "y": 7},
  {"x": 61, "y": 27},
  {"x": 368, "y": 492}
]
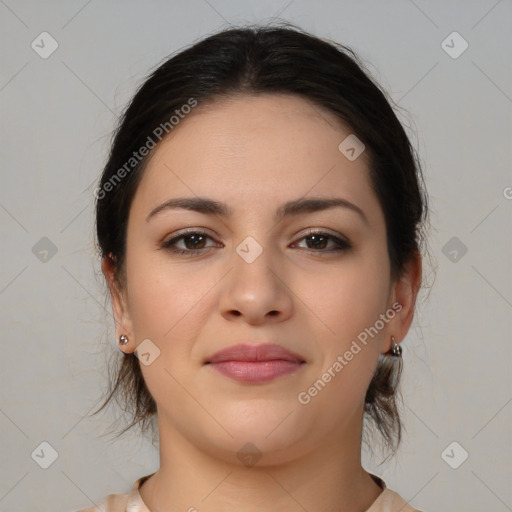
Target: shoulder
[
  {"x": 111, "y": 503},
  {"x": 390, "y": 501},
  {"x": 131, "y": 501}
]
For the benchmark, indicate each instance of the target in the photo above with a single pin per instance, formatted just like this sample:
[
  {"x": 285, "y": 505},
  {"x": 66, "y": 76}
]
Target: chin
[{"x": 269, "y": 429}]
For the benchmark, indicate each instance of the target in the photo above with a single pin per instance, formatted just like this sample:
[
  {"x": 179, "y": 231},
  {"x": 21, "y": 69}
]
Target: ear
[
  {"x": 119, "y": 304},
  {"x": 404, "y": 291}
]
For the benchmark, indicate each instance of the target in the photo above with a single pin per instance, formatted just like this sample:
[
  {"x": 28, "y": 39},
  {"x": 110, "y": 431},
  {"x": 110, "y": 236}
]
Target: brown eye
[
  {"x": 319, "y": 241},
  {"x": 193, "y": 241}
]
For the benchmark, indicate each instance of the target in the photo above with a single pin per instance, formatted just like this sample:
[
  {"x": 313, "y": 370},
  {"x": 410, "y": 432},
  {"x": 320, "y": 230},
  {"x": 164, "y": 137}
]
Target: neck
[{"x": 329, "y": 478}]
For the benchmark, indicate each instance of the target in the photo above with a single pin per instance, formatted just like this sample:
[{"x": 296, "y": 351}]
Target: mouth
[{"x": 255, "y": 363}]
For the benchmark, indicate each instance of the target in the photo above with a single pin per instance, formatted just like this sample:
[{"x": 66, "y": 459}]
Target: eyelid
[
  {"x": 323, "y": 231},
  {"x": 186, "y": 231},
  {"x": 301, "y": 234}
]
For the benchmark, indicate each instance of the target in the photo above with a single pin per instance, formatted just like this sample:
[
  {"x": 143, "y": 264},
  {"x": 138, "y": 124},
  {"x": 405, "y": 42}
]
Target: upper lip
[{"x": 252, "y": 352}]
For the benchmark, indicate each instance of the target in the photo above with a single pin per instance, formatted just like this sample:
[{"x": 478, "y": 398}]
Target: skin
[{"x": 254, "y": 153}]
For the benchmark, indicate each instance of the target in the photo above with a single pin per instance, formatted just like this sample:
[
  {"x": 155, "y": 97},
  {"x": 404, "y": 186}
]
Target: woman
[{"x": 260, "y": 221}]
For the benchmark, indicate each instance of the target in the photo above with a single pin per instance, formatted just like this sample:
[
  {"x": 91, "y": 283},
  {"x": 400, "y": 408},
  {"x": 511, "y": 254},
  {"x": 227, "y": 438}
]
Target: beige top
[{"x": 388, "y": 501}]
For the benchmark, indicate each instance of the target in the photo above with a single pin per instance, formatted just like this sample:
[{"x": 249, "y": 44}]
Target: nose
[{"x": 256, "y": 291}]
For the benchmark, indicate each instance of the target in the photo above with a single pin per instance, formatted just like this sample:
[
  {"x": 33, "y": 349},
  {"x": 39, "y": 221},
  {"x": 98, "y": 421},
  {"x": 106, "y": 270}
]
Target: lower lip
[{"x": 256, "y": 371}]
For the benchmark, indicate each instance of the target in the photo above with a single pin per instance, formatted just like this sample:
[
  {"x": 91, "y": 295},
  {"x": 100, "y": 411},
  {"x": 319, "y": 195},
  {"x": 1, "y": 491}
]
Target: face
[{"x": 315, "y": 281}]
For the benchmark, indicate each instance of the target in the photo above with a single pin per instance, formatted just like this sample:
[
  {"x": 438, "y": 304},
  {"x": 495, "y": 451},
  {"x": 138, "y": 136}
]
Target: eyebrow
[{"x": 291, "y": 208}]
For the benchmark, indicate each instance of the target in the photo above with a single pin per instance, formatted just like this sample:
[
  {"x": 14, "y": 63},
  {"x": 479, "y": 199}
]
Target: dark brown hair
[{"x": 255, "y": 60}]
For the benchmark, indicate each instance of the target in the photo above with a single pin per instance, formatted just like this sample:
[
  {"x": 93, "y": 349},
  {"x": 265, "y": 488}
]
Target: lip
[{"x": 255, "y": 363}]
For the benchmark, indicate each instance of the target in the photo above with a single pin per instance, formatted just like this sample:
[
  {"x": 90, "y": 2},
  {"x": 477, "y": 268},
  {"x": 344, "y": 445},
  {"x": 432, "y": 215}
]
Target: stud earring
[
  {"x": 123, "y": 339},
  {"x": 396, "y": 350}
]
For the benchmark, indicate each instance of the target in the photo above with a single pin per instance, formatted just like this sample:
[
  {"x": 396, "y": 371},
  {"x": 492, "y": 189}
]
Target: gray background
[{"x": 57, "y": 331}]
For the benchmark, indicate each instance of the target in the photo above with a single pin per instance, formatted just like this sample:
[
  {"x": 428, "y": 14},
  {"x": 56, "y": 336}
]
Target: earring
[
  {"x": 396, "y": 350},
  {"x": 123, "y": 339}
]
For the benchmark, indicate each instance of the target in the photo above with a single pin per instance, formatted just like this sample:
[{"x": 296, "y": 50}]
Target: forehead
[{"x": 254, "y": 151}]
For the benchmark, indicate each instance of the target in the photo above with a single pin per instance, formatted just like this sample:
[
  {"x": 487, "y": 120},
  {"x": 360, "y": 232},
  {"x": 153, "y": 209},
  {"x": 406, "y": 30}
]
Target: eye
[
  {"x": 320, "y": 239},
  {"x": 194, "y": 242}
]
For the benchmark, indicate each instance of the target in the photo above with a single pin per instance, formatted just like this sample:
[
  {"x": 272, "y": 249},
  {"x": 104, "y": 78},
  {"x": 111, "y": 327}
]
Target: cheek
[
  {"x": 165, "y": 299},
  {"x": 350, "y": 297},
  {"x": 151, "y": 304},
  {"x": 349, "y": 302}
]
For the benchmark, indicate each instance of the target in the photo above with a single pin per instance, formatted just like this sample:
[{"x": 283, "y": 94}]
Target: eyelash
[{"x": 170, "y": 244}]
